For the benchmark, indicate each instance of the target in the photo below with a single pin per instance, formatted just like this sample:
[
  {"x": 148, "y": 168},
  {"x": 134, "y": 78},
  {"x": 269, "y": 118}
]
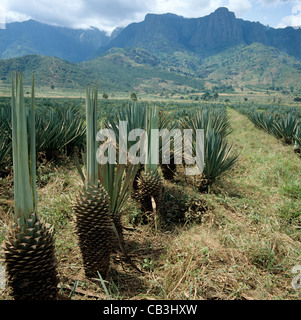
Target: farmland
[
  {"x": 239, "y": 238},
  {"x": 109, "y": 190}
]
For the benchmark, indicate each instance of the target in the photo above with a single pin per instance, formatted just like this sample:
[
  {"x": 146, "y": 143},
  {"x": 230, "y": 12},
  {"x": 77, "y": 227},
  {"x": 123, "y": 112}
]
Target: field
[{"x": 239, "y": 239}]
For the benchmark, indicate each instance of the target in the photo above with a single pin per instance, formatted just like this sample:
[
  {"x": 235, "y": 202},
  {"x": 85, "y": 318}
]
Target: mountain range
[
  {"x": 214, "y": 50},
  {"x": 205, "y": 36}
]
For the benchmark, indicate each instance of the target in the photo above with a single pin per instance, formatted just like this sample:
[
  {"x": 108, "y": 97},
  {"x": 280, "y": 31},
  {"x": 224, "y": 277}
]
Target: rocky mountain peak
[{"x": 223, "y": 12}]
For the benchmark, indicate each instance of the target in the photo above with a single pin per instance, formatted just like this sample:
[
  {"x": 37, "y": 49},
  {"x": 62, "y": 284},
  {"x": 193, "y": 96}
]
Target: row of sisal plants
[
  {"x": 283, "y": 123},
  {"x": 60, "y": 128},
  {"x": 58, "y": 131},
  {"x": 219, "y": 155},
  {"x": 29, "y": 247}
]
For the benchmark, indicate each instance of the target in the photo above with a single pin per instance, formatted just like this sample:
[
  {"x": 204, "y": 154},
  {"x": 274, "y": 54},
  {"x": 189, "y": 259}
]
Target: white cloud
[
  {"x": 275, "y": 2},
  {"x": 2, "y": 16},
  {"x": 293, "y": 20},
  {"x": 239, "y": 6},
  {"x": 104, "y": 14},
  {"x": 198, "y": 8},
  {"x": 108, "y": 14}
]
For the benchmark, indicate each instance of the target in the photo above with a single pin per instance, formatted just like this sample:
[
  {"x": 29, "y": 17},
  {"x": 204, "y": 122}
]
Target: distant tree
[
  {"x": 134, "y": 96},
  {"x": 52, "y": 87},
  {"x": 215, "y": 96},
  {"x": 105, "y": 95},
  {"x": 206, "y": 96},
  {"x": 297, "y": 99}
]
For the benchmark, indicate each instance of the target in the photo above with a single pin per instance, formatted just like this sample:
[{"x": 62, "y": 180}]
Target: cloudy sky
[{"x": 108, "y": 14}]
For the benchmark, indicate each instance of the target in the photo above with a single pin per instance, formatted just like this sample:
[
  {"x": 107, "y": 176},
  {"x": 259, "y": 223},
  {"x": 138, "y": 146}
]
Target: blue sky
[
  {"x": 274, "y": 13},
  {"x": 108, "y": 14}
]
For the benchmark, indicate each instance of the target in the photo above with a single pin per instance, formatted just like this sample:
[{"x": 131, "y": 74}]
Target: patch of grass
[
  {"x": 264, "y": 256},
  {"x": 292, "y": 189},
  {"x": 243, "y": 247},
  {"x": 289, "y": 215}
]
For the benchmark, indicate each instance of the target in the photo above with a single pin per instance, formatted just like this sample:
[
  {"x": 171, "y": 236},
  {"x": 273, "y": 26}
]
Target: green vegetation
[
  {"x": 5, "y": 150},
  {"x": 134, "y": 96},
  {"x": 236, "y": 71},
  {"x": 93, "y": 217},
  {"x": 284, "y": 123},
  {"x": 255, "y": 67},
  {"x": 242, "y": 230},
  {"x": 58, "y": 131},
  {"x": 113, "y": 72},
  {"x": 152, "y": 231},
  {"x": 29, "y": 251},
  {"x": 49, "y": 72}
]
